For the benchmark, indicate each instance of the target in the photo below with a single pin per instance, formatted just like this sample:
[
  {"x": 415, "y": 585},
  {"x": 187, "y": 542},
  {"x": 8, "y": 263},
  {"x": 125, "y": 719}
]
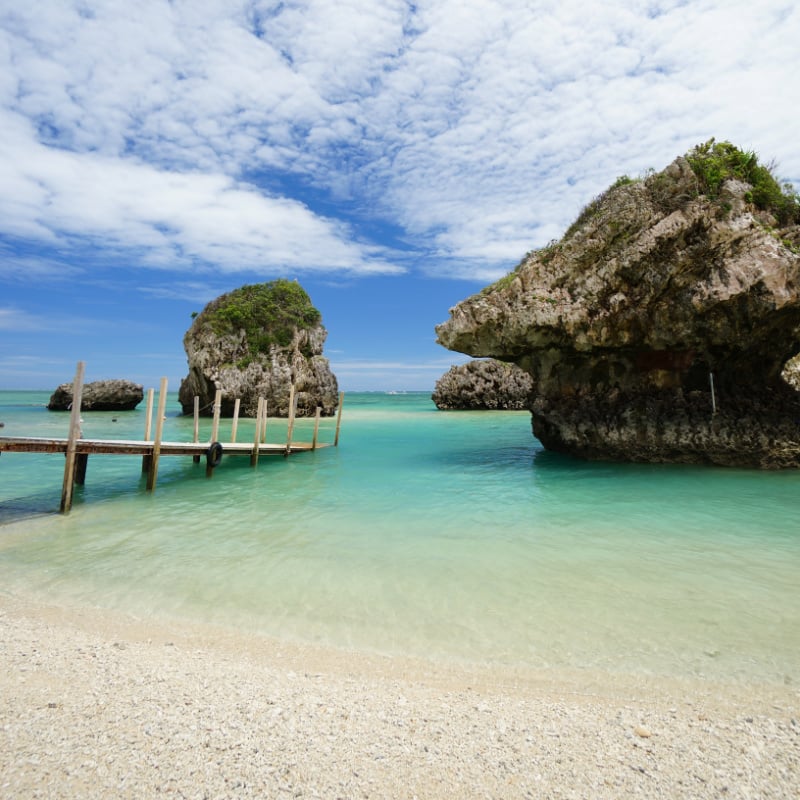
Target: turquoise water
[{"x": 448, "y": 535}]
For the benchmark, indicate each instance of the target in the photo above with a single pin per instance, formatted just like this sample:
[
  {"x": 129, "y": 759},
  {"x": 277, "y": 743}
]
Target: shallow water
[{"x": 446, "y": 535}]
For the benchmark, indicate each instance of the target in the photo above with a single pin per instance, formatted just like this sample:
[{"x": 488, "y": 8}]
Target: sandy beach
[{"x": 97, "y": 704}]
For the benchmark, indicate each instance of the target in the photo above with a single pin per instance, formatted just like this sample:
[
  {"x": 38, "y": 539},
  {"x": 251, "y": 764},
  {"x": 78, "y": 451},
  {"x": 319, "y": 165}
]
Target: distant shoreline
[{"x": 104, "y": 704}]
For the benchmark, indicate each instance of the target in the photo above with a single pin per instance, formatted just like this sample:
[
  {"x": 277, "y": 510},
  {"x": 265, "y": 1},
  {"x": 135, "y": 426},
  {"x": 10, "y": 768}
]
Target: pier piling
[{"x": 72, "y": 440}]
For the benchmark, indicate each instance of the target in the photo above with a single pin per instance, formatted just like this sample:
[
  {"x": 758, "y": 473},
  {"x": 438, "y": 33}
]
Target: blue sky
[{"x": 394, "y": 157}]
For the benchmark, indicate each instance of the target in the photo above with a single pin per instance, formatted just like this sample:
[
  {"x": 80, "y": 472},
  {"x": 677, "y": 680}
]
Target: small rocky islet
[
  {"x": 485, "y": 385},
  {"x": 258, "y": 341},
  {"x": 659, "y": 327},
  {"x": 106, "y": 395}
]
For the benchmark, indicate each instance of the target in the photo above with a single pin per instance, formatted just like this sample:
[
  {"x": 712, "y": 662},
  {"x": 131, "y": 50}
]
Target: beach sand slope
[{"x": 97, "y": 705}]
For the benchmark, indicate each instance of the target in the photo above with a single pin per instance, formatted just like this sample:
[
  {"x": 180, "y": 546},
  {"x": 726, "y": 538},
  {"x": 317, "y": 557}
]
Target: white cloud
[
  {"x": 197, "y": 132},
  {"x": 173, "y": 217},
  {"x": 13, "y": 319}
]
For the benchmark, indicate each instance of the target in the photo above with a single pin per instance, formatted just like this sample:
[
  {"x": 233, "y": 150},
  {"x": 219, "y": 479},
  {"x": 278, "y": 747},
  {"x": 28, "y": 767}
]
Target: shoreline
[{"x": 100, "y": 703}]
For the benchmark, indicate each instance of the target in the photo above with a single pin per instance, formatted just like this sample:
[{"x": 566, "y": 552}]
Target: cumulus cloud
[{"x": 244, "y": 135}]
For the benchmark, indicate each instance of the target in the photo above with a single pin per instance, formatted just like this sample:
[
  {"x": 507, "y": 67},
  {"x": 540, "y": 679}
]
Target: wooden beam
[
  {"x": 81, "y": 462},
  {"x": 152, "y": 475},
  {"x": 74, "y": 435},
  {"x": 257, "y": 438},
  {"x": 148, "y": 427},
  {"x": 290, "y": 427},
  {"x": 235, "y": 423},
  {"x": 217, "y": 411},
  {"x": 316, "y": 428},
  {"x": 339, "y": 419},
  {"x": 196, "y": 459}
]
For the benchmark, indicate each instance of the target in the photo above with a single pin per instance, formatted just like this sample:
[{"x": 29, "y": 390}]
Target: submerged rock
[
  {"x": 657, "y": 329},
  {"x": 257, "y": 341},
  {"x": 112, "y": 395},
  {"x": 484, "y": 384}
]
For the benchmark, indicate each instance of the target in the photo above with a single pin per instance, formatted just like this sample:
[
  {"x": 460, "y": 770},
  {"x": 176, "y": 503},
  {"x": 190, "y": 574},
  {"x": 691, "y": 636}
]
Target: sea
[{"x": 449, "y": 536}]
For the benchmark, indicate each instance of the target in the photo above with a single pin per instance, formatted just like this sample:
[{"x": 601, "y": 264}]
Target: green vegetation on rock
[
  {"x": 715, "y": 162},
  {"x": 712, "y": 163},
  {"x": 268, "y": 313}
]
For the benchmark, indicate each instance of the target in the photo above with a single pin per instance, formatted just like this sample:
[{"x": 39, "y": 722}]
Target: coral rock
[
  {"x": 256, "y": 342},
  {"x": 657, "y": 329},
  {"x": 487, "y": 384}
]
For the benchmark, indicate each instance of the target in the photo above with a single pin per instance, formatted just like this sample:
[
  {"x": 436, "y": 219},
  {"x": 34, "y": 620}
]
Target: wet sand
[{"x": 97, "y": 704}]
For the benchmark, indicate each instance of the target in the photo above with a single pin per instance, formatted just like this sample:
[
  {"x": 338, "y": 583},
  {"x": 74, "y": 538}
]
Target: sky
[{"x": 394, "y": 157}]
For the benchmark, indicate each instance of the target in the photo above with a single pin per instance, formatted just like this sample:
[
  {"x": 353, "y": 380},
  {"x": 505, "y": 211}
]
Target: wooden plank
[
  {"x": 152, "y": 475},
  {"x": 74, "y": 435},
  {"x": 32, "y": 444},
  {"x": 137, "y": 448}
]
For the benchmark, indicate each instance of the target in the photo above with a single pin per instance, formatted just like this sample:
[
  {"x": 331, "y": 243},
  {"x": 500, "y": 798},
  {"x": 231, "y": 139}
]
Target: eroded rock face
[
  {"x": 259, "y": 352},
  {"x": 112, "y": 395},
  {"x": 485, "y": 384},
  {"x": 653, "y": 294},
  {"x": 791, "y": 373}
]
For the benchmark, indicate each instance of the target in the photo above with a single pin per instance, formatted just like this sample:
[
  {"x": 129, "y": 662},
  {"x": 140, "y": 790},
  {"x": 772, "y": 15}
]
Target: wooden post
[
  {"x": 339, "y": 419},
  {"x": 148, "y": 423},
  {"x": 316, "y": 428},
  {"x": 196, "y": 419},
  {"x": 196, "y": 438},
  {"x": 217, "y": 409},
  {"x": 81, "y": 461},
  {"x": 148, "y": 427},
  {"x": 152, "y": 475},
  {"x": 235, "y": 423},
  {"x": 74, "y": 435},
  {"x": 290, "y": 427},
  {"x": 257, "y": 438},
  {"x": 264, "y": 416}
]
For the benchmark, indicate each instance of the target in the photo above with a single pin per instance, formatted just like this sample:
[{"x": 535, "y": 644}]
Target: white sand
[{"x": 98, "y": 705}]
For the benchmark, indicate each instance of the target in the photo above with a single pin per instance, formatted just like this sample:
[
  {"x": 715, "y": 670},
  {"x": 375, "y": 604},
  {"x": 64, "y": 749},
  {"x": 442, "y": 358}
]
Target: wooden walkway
[
  {"x": 77, "y": 449},
  {"x": 125, "y": 447}
]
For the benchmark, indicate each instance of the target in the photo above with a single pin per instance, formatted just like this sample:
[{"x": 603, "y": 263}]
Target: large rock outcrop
[
  {"x": 256, "y": 342},
  {"x": 485, "y": 384},
  {"x": 111, "y": 395},
  {"x": 658, "y": 327}
]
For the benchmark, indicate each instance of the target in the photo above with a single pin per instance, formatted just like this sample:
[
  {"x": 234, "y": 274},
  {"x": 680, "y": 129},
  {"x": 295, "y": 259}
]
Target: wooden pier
[{"x": 77, "y": 449}]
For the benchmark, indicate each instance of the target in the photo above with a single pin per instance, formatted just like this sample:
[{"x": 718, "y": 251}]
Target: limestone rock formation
[
  {"x": 483, "y": 384},
  {"x": 255, "y": 342},
  {"x": 661, "y": 288},
  {"x": 112, "y": 395},
  {"x": 791, "y": 373}
]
